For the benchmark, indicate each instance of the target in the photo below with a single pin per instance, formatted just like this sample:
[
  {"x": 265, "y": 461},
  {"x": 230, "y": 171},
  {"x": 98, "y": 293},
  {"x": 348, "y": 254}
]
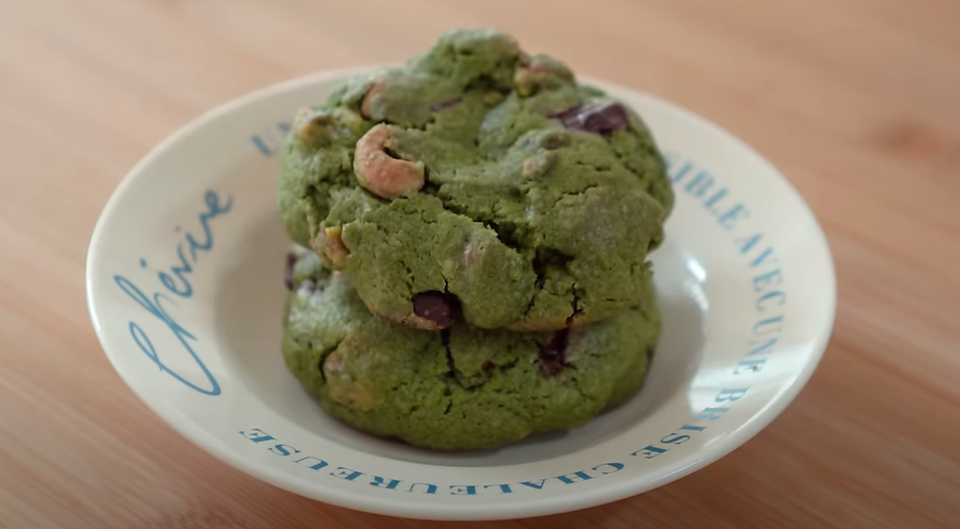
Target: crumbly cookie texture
[
  {"x": 461, "y": 388},
  {"x": 477, "y": 183}
]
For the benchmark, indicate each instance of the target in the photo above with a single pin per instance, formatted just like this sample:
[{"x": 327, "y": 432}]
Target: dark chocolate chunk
[
  {"x": 553, "y": 354},
  {"x": 439, "y": 307},
  {"x": 600, "y": 118},
  {"x": 288, "y": 272}
]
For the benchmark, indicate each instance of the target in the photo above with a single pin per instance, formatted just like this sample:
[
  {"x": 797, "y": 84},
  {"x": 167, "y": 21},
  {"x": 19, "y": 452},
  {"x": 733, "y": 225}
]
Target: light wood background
[{"x": 858, "y": 101}]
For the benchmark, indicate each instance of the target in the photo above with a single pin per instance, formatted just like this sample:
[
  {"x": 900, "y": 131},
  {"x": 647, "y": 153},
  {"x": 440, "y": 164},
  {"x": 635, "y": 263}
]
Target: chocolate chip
[
  {"x": 439, "y": 307},
  {"x": 599, "y": 118},
  {"x": 288, "y": 272},
  {"x": 443, "y": 105},
  {"x": 486, "y": 366},
  {"x": 553, "y": 354}
]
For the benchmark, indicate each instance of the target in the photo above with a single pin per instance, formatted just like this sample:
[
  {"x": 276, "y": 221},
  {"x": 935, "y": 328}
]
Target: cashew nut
[
  {"x": 378, "y": 172},
  {"x": 330, "y": 247}
]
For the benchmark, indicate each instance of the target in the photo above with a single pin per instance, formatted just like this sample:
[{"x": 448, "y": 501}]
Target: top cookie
[{"x": 476, "y": 181}]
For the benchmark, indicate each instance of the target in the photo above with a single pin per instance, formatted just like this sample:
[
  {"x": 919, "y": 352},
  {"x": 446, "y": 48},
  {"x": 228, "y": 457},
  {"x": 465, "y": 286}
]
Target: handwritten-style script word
[{"x": 176, "y": 281}]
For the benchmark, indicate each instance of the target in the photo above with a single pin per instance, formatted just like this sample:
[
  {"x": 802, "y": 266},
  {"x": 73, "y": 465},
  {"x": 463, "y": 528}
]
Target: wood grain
[{"x": 856, "y": 100}]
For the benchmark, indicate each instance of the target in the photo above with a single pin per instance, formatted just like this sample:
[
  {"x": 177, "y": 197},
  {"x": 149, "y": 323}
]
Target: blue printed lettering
[
  {"x": 675, "y": 439},
  {"x": 711, "y": 202},
  {"x": 312, "y": 463},
  {"x": 504, "y": 488},
  {"x": 570, "y": 479},
  {"x": 463, "y": 490},
  {"x": 692, "y": 428},
  {"x": 763, "y": 257},
  {"x": 699, "y": 185},
  {"x": 269, "y": 141},
  {"x": 712, "y": 414},
  {"x": 615, "y": 466},
  {"x": 746, "y": 244},
  {"x": 767, "y": 285},
  {"x": 649, "y": 452},
  {"x": 761, "y": 328},
  {"x": 776, "y": 294},
  {"x": 179, "y": 272},
  {"x": 346, "y": 473},
  {"x": 382, "y": 483},
  {"x": 535, "y": 485},
  {"x": 681, "y": 173},
  {"x": 731, "y": 395},
  {"x": 284, "y": 450},
  {"x": 261, "y": 145},
  {"x": 735, "y": 213},
  {"x": 256, "y": 435},
  {"x": 761, "y": 282},
  {"x": 430, "y": 489}
]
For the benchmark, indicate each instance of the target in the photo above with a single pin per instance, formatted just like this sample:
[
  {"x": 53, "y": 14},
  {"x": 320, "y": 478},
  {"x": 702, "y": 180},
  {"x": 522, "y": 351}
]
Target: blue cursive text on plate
[{"x": 177, "y": 282}]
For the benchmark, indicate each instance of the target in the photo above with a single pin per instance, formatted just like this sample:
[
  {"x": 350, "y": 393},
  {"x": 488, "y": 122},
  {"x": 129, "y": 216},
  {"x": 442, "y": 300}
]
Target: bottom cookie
[{"x": 462, "y": 388}]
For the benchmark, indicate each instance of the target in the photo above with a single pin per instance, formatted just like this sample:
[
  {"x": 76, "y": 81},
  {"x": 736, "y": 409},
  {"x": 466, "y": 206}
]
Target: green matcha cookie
[
  {"x": 461, "y": 388},
  {"x": 478, "y": 182}
]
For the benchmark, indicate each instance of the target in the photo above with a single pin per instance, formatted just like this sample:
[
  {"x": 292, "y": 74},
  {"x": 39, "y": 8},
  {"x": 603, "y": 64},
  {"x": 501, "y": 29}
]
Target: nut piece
[
  {"x": 378, "y": 172},
  {"x": 343, "y": 388},
  {"x": 311, "y": 126},
  {"x": 493, "y": 97},
  {"x": 540, "y": 71},
  {"x": 330, "y": 247},
  {"x": 332, "y": 365},
  {"x": 377, "y": 87},
  {"x": 538, "y": 164}
]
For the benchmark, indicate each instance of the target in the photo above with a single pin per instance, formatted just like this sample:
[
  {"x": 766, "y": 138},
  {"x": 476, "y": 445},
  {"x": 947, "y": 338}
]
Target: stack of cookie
[{"x": 472, "y": 234}]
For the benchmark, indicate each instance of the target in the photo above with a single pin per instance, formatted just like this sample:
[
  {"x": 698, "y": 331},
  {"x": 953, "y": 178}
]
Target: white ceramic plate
[{"x": 185, "y": 288}]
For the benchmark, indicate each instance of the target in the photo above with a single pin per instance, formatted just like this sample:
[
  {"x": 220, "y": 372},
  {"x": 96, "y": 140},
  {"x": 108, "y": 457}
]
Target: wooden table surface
[{"x": 858, "y": 101}]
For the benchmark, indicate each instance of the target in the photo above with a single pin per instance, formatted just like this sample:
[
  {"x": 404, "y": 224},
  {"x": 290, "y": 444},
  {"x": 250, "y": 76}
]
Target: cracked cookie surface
[
  {"x": 483, "y": 180},
  {"x": 460, "y": 388}
]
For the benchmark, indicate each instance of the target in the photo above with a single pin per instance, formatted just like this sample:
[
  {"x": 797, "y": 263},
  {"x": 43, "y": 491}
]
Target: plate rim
[{"x": 544, "y": 505}]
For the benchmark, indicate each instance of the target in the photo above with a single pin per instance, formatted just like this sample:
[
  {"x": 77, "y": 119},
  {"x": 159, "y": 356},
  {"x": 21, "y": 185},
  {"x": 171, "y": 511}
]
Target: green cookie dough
[
  {"x": 478, "y": 182},
  {"x": 461, "y": 388}
]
